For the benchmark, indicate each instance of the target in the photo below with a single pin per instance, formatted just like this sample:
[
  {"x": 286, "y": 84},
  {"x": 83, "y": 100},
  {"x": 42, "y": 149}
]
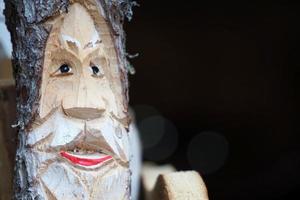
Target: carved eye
[
  {"x": 65, "y": 68},
  {"x": 96, "y": 70}
]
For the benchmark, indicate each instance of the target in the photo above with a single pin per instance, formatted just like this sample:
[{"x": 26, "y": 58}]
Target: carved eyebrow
[
  {"x": 73, "y": 47},
  {"x": 90, "y": 44},
  {"x": 70, "y": 40},
  {"x": 65, "y": 53},
  {"x": 66, "y": 56},
  {"x": 94, "y": 53}
]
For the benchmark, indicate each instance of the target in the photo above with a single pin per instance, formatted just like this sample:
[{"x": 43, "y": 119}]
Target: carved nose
[
  {"x": 84, "y": 101},
  {"x": 84, "y": 113}
]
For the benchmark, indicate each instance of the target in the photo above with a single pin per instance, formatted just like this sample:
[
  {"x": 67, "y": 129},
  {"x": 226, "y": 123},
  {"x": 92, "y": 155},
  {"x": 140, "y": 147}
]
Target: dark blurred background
[{"x": 215, "y": 90}]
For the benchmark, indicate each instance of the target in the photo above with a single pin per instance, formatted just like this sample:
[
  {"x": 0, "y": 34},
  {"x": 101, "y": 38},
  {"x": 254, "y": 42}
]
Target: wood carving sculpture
[{"x": 75, "y": 137}]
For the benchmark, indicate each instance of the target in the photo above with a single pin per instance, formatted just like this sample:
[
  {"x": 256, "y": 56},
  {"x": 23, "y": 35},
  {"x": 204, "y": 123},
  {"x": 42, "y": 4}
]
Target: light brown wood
[
  {"x": 186, "y": 185},
  {"x": 165, "y": 183},
  {"x": 150, "y": 173}
]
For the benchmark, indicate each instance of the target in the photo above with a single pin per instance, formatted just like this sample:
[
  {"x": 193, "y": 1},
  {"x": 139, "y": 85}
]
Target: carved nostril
[{"x": 84, "y": 113}]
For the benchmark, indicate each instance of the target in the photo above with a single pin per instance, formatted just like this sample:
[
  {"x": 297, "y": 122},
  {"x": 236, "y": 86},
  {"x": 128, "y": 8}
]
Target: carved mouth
[
  {"x": 91, "y": 159},
  {"x": 87, "y": 152}
]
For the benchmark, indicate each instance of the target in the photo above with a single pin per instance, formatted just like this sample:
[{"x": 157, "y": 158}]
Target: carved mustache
[
  {"x": 59, "y": 133},
  {"x": 94, "y": 142}
]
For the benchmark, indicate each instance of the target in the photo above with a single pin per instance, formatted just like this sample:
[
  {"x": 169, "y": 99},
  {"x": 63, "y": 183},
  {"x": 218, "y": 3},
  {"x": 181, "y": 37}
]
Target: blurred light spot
[
  {"x": 151, "y": 130},
  {"x": 159, "y": 138},
  {"x": 142, "y": 112},
  {"x": 207, "y": 152}
]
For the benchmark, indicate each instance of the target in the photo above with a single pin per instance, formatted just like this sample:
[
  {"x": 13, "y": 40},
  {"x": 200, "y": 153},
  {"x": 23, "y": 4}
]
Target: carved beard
[{"x": 65, "y": 156}]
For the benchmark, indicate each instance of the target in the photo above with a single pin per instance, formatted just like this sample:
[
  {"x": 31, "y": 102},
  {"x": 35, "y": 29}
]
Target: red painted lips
[{"x": 88, "y": 162}]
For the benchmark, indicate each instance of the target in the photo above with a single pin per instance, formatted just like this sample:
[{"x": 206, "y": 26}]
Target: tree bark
[{"x": 25, "y": 20}]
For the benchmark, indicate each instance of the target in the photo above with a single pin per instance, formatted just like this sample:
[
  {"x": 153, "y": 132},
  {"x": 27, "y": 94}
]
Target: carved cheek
[{"x": 55, "y": 90}]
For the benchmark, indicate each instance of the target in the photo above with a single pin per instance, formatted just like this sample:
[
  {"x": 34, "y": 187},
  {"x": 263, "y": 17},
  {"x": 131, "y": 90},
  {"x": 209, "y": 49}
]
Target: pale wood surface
[
  {"x": 150, "y": 173},
  {"x": 185, "y": 185},
  {"x": 165, "y": 183}
]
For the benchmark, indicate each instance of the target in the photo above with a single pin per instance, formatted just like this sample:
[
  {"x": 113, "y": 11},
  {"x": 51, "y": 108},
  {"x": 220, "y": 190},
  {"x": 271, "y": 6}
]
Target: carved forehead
[{"x": 78, "y": 27}]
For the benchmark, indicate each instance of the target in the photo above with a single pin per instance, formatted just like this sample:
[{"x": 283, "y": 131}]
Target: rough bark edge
[
  {"x": 116, "y": 12},
  {"x": 24, "y": 19},
  {"x": 28, "y": 34}
]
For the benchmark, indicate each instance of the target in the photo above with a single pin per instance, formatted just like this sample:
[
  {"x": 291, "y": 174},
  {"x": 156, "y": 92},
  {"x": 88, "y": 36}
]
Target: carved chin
[{"x": 62, "y": 181}]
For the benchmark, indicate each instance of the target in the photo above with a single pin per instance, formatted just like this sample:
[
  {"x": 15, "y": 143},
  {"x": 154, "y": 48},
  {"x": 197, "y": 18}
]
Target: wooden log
[{"x": 75, "y": 140}]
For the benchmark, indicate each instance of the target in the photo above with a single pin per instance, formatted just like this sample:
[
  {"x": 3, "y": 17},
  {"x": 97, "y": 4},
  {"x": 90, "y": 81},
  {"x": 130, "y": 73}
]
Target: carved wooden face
[
  {"x": 80, "y": 70},
  {"x": 79, "y": 142}
]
